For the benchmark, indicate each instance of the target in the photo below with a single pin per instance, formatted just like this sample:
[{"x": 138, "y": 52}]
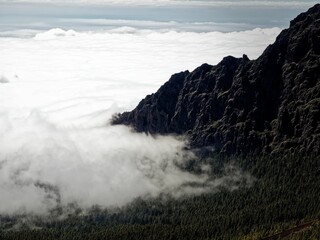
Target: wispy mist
[
  {"x": 105, "y": 166},
  {"x": 43, "y": 167}
]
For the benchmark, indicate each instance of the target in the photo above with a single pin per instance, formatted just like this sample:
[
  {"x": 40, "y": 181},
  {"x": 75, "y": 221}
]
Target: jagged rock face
[{"x": 240, "y": 106}]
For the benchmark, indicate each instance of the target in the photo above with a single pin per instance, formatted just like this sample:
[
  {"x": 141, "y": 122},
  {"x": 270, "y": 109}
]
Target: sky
[
  {"x": 67, "y": 67},
  {"x": 273, "y": 3},
  {"x": 222, "y": 16}
]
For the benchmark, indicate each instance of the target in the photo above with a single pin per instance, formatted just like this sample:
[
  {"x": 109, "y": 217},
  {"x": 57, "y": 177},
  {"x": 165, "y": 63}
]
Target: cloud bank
[{"x": 61, "y": 88}]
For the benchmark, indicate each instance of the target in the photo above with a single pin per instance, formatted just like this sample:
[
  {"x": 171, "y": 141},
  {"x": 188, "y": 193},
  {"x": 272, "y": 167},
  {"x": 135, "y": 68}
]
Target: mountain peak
[{"x": 309, "y": 16}]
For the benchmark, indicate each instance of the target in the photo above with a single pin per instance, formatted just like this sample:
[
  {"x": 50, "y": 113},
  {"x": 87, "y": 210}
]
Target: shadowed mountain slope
[{"x": 241, "y": 106}]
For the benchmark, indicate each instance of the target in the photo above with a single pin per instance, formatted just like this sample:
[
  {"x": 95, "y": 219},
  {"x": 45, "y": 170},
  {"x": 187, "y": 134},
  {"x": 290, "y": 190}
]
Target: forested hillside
[{"x": 284, "y": 195}]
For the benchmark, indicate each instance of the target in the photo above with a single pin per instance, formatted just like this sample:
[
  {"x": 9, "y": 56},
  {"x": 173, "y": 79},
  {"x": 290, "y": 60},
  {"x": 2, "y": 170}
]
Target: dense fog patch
[{"x": 43, "y": 166}]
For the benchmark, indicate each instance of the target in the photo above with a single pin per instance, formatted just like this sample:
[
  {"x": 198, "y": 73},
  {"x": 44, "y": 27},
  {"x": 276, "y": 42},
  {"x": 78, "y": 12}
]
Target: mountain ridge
[{"x": 242, "y": 106}]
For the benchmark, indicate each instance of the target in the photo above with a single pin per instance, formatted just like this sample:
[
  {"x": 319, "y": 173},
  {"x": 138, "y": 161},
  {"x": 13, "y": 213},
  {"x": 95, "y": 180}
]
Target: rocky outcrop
[{"x": 243, "y": 106}]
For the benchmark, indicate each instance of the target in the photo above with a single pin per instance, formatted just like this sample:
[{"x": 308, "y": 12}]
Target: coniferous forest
[{"x": 285, "y": 194}]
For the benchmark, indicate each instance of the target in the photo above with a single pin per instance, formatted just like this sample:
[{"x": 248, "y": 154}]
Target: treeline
[{"x": 285, "y": 193}]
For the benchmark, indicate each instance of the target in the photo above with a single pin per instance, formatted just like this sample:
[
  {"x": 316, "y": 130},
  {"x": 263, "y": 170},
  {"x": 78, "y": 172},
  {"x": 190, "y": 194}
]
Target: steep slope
[{"x": 239, "y": 106}]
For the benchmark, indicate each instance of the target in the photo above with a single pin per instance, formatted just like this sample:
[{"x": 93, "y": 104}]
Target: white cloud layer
[{"x": 58, "y": 90}]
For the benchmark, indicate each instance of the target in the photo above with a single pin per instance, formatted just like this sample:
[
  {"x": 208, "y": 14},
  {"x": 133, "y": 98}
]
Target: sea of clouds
[{"x": 58, "y": 91}]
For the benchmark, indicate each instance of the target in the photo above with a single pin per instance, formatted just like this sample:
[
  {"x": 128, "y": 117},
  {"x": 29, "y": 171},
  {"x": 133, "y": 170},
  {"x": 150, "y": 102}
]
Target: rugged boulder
[{"x": 241, "y": 106}]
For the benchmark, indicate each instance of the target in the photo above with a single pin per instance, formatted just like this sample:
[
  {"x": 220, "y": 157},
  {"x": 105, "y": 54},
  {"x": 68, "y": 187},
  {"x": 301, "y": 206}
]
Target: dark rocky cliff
[{"x": 242, "y": 106}]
